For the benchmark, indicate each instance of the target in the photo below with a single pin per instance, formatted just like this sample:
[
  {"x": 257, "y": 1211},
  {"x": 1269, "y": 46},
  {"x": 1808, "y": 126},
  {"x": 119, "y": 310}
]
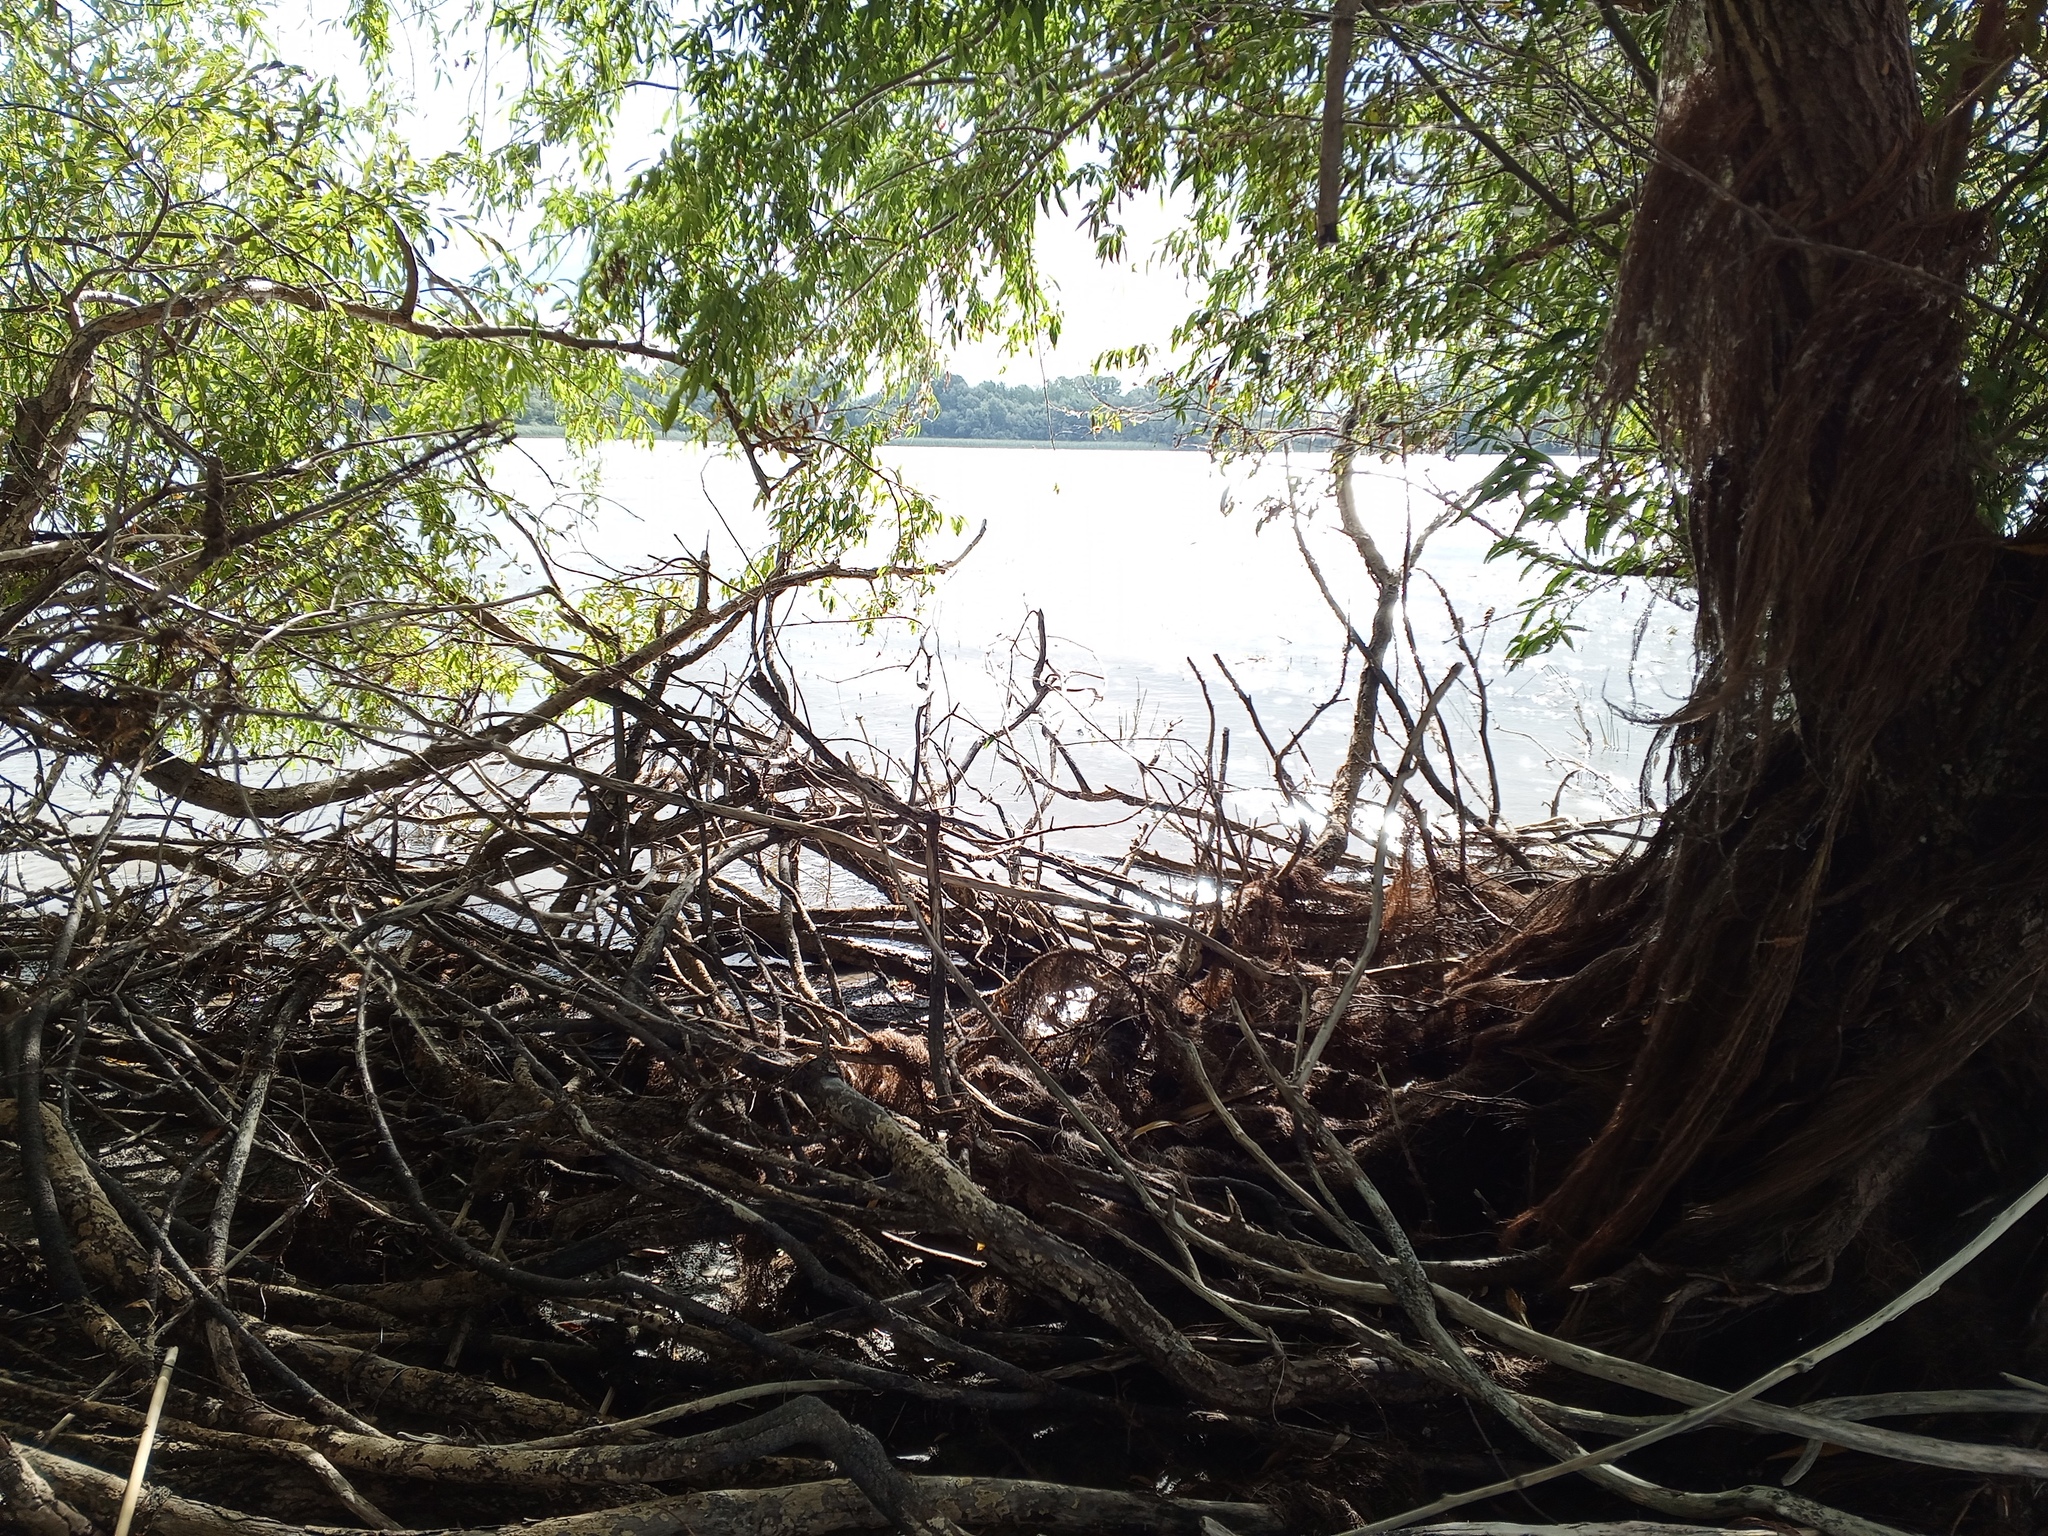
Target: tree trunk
[{"x": 1741, "y": 1031}]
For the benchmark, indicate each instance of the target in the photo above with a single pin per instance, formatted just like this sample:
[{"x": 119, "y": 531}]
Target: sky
[
  {"x": 1133, "y": 303},
  {"x": 1136, "y": 302}
]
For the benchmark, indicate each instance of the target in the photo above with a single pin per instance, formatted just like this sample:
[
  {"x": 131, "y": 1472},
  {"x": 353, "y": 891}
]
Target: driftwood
[
  {"x": 802, "y": 1509},
  {"x": 556, "y": 1148}
]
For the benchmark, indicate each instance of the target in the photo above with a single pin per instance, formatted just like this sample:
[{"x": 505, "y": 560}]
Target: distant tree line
[
  {"x": 1082, "y": 408},
  {"x": 1077, "y": 409}
]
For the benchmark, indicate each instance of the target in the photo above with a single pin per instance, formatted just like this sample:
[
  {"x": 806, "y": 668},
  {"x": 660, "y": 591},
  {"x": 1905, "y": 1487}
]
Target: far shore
[{"x": 1109, "y": 441}]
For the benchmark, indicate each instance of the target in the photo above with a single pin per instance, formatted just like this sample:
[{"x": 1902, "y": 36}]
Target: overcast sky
[{"x": 1134, "y": 303}]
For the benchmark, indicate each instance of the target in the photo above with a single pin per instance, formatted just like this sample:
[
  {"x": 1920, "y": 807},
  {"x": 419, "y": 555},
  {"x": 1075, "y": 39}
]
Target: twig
[
  {"x": 935, "y": 1015},
  {"x": 1705, "y": 1414},
  {"x": 1379, "y": 876},
  {"x": 140, "y": 1466}
]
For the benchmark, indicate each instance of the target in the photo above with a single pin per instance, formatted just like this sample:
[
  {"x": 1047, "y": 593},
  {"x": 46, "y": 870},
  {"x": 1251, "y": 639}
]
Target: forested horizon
[{"x": 1072, "y": 409}]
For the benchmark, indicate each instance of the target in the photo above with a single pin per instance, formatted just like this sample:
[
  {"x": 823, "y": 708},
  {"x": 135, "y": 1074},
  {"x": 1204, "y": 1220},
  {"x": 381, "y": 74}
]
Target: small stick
[
  {"x": 344, "y": 1491},
  {"x": 935, "y": 1021},
  {"x": 58, "y": 1428},
  {"x": 1409, "y": 759},
  {"x": 1706, "y": 1413},
  {"x": 454, "y": 1355},
  {"x": 142, "y": 1447}
]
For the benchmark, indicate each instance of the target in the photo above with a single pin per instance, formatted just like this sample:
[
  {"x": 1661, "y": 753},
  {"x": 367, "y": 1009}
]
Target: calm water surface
[{"x": 1148, "y": 566}]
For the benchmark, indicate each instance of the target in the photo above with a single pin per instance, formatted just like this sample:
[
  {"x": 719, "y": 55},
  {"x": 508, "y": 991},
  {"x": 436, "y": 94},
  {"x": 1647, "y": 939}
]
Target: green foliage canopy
[
  {"x": 244, "y": 514},
  {"x": 847, "y": 187}
]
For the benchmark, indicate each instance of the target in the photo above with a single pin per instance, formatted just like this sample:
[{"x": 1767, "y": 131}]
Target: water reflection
[{"x": 1168, "y": 603}]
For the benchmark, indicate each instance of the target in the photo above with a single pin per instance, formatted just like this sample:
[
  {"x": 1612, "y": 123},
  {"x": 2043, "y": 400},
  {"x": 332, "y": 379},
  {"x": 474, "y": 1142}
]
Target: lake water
[{"x": 1148, "y": 565}]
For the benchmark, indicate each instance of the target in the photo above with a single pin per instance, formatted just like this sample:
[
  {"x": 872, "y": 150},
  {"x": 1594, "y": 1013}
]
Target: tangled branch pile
[{"x": 492, "y": 1161}]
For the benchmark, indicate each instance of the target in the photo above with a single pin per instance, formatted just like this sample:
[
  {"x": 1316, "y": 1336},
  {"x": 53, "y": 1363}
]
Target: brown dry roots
[{"x": 458, "y": 1221}]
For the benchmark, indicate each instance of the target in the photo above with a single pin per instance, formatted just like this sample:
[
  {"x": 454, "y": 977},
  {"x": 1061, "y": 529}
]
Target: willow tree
[
  {"x": 257, "y": 356},
  {"x": 1776, "y": 266},
  {"x": 250, "y": 560}
]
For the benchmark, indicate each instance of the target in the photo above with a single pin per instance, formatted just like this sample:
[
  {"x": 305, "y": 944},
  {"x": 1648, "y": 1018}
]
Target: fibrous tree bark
[{"x": 1743, "y": 1030}]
